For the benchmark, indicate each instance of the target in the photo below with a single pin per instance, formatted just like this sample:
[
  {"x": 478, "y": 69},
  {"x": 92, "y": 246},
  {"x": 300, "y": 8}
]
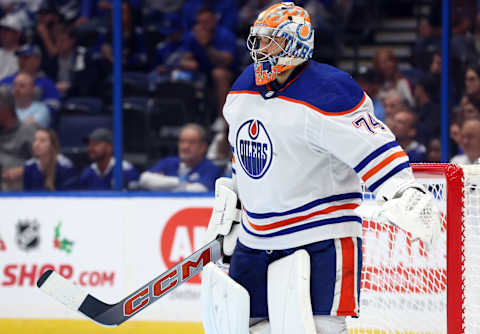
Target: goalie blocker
[{"x": 225, "y": 217}]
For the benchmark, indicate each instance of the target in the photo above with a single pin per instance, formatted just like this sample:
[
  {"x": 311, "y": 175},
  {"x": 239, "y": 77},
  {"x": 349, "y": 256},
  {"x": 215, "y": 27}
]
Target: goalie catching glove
[
  {"x": 225, "y": 216},
  {"x": 414, "y": 210}
]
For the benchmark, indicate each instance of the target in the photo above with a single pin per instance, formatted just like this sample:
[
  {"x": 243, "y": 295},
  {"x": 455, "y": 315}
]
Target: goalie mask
[{"x": 281, "y": 38}]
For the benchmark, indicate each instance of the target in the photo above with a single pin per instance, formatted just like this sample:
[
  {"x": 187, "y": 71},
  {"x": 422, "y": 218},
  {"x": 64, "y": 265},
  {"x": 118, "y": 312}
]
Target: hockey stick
[{"x": 111, "y": 315}]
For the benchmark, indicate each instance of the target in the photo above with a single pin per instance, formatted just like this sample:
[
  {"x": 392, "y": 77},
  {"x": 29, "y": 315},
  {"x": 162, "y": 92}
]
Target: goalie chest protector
[{"x": 299, "y": 154}]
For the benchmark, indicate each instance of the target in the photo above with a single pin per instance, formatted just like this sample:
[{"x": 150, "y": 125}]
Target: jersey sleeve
[
  {"x": 364, "y": 143},
  {"x": 160, "y": 167}
]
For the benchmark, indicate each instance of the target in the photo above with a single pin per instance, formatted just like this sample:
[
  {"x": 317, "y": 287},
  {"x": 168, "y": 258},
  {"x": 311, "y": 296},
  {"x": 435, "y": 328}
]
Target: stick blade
[{"x": 62, "y": 290}]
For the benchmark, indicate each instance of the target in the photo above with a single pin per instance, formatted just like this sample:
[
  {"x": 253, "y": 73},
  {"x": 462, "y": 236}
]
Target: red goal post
[{"x": 407, "y": 288}]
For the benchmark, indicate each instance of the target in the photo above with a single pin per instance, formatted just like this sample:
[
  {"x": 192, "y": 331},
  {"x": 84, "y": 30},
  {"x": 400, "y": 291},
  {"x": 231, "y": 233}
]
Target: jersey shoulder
[
  {"x": 328, "y": 89},
  {"x": 245, "y": 81}
]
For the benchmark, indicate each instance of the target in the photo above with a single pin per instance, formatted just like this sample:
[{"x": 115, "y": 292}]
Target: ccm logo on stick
[{"x": 157, "y": 288}]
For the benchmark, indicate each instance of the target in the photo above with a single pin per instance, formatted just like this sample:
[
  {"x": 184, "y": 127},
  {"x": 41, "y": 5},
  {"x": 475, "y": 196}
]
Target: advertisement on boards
[{"x": 108, "y": 246}]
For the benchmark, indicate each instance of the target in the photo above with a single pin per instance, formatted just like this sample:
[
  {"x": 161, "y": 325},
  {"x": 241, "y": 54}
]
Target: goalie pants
[{"x": 334, "y": 275}]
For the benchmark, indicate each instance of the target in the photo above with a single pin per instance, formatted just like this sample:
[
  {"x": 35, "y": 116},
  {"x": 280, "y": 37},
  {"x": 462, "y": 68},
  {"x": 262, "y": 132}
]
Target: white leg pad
[
  {"x": 225, "y": 303},
  {"x": 263, "y": 327},
  {"x": 328, "y": 324},
  {"x": 289, "y": 303}
]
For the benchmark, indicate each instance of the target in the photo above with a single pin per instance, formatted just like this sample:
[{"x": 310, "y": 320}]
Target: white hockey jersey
[{"x": 299, "y": 154}]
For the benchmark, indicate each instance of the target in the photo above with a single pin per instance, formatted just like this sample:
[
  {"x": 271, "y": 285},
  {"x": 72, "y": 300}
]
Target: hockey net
[{"x": 409, "y": 289}]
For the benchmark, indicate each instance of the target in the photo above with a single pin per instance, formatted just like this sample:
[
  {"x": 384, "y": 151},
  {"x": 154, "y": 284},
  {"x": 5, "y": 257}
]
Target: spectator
[
  {"x": 470, "y": 110},
  {"x": 190, "y": 171},
  {"x": 67, "y": 10},
  {"x": 97, "y": 12},
  {"x": 427, "y": 110},
  {"x": 48, "y": 170},
  {"x": 29, "y": 60},
  {"x": 393, "y": 102},
  {"x": 10, "y": 33},
  {"x": 434, "y": 69},
  {"x": 99, "y": 175},
  {"x": 167, "y": 57},
  {"x": 369, "y": 81},
  {"x": 385, "y": 64},
  {"x": 430, "y": 31},
  {"x": 48, "y": 26},
  {"x": 220, "y": 152},
  {"x": 403, "y": 127},
  {"x": 329, "y": 19},
  {"x": 435, "y": 66},
  {"x": 434, "y": 151},
  {"x": 28, "y": 110},
  {"x": 16, "y": 140},
  {"x": 455, "y": 137},
  {"x": 225, "y": 12},
  {"x": 472, "y": 83},
  {"x": 469, "y": 142},
  {"x": 249, "y": 12},
  {"x": 163, "y": 16},
  {"x": 210, "y": 49},
  {"x": 73, "y": 67},
  {"x": 134, "y": 49}
]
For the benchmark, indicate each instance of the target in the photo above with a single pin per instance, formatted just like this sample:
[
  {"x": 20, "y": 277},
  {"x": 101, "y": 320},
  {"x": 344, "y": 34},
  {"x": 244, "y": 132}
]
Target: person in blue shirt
[
  {"x": 209, "y": 50},
  {"x": 226, "y": 13},
  {"x": 28, "y": 110},
  {"x": 190, "y": 171},
  {"x": 404, "y": 127},
  {"x": 48, "y": 169},
  {"x": 99, "y": 174}
]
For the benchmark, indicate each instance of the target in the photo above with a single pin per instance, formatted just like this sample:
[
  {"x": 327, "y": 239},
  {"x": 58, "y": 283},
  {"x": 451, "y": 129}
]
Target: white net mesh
[
  {"x": 404, "y": 284},
  {"x": 471, "y": 264}
]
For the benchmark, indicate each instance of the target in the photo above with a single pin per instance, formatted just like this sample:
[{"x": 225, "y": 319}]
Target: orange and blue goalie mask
[{"x": 281, "y": 38}]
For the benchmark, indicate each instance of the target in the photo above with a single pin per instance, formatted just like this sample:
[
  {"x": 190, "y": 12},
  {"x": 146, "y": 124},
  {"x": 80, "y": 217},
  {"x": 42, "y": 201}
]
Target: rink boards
[{"x": 110, "y": 246}]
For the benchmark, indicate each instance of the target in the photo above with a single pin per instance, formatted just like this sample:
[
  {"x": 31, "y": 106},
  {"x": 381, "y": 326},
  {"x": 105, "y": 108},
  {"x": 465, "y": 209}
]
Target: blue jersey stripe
[
  {"x": 374, "y": 154},
  {"x": 313, "y": 224},
  {"x": 234, "y": 171},
  {"x": 394, "y": 171},
  {"x": 305, "y": 206}
]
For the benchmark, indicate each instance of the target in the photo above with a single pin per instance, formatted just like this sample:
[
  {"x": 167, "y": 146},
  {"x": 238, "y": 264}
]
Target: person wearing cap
[
  {"x": 10, "y": 33},
  {"x": 29, "y": 61},
  {"x": 191, "y": 171},
  {"x": 99, "y": 174},
  {"x": 48, "y": 170}
]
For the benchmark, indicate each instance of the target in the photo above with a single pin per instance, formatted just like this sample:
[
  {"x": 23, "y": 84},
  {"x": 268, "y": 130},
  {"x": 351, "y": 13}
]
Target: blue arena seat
[
  {"x": 73, "y": 128},
  {"x": 84, "y": 104}
]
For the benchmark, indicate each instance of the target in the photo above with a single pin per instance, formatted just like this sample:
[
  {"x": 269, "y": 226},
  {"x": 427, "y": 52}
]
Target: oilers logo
[{"x": 254, "y": 148}]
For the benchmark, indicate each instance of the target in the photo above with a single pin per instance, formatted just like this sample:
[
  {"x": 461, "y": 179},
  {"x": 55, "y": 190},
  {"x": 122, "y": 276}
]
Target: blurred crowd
[{"x": 179, "y": 59}]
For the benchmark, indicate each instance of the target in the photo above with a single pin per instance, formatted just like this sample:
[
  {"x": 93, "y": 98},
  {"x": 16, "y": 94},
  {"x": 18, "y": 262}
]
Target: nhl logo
[
  {"x": 254, "y": 148},
  {"x": 28, "y": 234}
]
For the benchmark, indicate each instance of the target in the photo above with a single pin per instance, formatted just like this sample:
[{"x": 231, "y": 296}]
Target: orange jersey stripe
[
  {"x": 347, "y": 302},
  {"x": 323, "y": 111},
  {"x": 349, "y": 206},
  {"x": 244, "y": 92},
  {"x": 382, "y": 164}
]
